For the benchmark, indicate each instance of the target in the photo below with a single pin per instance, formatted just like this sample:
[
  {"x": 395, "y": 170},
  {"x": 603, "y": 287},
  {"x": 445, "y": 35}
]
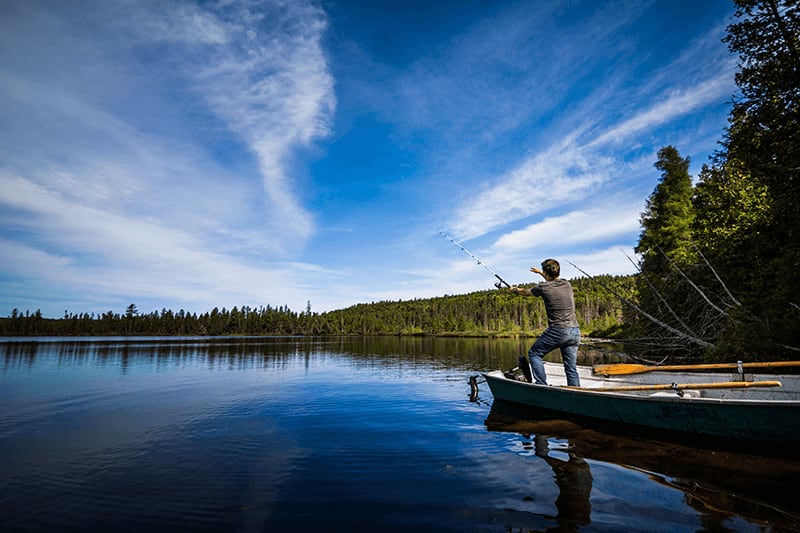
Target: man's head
[{"x": 551, "y": 268}]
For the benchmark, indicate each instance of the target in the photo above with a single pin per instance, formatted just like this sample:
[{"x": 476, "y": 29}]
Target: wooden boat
[{"x": 740, "y": 405}]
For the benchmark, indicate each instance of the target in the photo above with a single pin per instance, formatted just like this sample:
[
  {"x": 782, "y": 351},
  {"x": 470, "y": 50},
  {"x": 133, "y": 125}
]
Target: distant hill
[{"x": 482, "y": 313}]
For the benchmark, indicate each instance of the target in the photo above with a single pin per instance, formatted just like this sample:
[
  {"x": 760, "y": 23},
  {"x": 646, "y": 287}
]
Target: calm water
[{"x": 298, "y": 434}]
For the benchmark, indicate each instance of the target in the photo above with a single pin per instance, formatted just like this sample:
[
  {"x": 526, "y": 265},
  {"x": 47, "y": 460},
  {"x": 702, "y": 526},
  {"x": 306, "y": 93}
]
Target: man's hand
[
  {"x": 521, "y": 291},
  {"x": 537, "y": 271}
]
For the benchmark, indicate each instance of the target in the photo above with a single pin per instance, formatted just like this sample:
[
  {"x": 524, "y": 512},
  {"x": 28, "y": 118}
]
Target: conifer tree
[
  {"x": 666, "y": 250},
  {"x": 667, "y": 220}
]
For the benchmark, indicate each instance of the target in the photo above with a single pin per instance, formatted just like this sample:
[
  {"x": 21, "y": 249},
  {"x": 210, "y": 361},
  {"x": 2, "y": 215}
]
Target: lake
[{"x": 338, "y": 434}]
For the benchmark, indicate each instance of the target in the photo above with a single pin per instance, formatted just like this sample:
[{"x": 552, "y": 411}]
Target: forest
[
  {"x": 718, "y": 255},
  {"x": 484, "y": 313},
  {"x": 719, "y": 258}
]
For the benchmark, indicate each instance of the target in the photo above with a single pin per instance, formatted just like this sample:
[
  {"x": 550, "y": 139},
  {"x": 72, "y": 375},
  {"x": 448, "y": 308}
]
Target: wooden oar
[
  {"x": 683, "y": 386},
  {"x": 624, "y": 368}
]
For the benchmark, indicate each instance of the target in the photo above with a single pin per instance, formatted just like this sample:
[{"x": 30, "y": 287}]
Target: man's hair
[{"x": 551, "y": 268}]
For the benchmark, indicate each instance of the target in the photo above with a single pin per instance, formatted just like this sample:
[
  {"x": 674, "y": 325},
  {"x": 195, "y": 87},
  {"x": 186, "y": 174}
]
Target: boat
[{"x": 743, "y": 406}]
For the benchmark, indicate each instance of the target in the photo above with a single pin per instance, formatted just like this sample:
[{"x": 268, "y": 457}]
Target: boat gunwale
[{"x": 598, "y": 392}]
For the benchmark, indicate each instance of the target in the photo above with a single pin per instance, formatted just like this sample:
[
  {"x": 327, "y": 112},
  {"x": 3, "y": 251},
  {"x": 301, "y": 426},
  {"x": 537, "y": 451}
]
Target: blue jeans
[{"x": 567, "y": 340}]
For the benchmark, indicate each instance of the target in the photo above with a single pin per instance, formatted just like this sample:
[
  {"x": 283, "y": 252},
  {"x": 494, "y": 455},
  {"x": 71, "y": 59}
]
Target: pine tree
[
  {"x": 667, "y": 220},
  {"x": 673, "y": 313}
]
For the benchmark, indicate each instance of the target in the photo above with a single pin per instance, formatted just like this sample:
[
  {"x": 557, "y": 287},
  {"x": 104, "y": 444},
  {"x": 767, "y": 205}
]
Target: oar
[
  {"x": 624, "y": 368},
  {"x": 675, "y": 386}
]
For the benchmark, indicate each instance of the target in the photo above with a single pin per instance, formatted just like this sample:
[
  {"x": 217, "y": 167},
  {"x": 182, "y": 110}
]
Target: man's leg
[
  {"x": 569, "y": 355},
  {"x": 544, "y": 344}
]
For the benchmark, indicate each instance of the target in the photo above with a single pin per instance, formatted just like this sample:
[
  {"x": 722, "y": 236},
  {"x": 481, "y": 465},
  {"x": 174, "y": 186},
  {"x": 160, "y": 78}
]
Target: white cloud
[
  {"x": 612, "y": 220},
  {"x": 559, "y": 176},
  {"x": 101, "y": 124},
  {"x": 273, "y": 88},
  {"x": 113, "y": 170},
  {"x": 141, "y": 258},
  {"x": 588, "y": 155},
  {"x": 676, "y": 104},
  {"x": 612, "y": 260},
  {"x": 177, "y": 22}
]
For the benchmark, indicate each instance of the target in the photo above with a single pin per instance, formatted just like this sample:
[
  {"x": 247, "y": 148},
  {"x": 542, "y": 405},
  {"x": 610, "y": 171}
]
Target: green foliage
[
  {"x": 749, "y": 202},
  {"x": 723, "y": 267},
  {"x": 732, "y": 210},
  {"x": 665, "y": 248},
  {"x": 485, "y": 313}
]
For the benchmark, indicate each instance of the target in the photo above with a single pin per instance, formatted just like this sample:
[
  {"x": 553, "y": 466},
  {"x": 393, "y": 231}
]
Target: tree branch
[{"x": 691, "y": 338}]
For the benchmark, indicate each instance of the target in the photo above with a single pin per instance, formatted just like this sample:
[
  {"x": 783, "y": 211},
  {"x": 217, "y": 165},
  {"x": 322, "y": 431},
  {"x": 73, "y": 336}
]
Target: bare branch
[
  {"x": 694, "y": 286},
  {"x": 661, "y": 298},
  {"x": 713, "y": 271},
  {"x": 692, "y": 339}
]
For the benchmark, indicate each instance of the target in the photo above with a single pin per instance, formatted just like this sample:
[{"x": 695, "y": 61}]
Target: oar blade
[{"x": 620, "y": 369}]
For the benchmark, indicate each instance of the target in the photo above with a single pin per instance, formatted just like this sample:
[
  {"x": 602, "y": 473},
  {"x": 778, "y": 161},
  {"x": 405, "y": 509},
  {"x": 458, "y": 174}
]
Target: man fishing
[{"x": 562, "y": 325}]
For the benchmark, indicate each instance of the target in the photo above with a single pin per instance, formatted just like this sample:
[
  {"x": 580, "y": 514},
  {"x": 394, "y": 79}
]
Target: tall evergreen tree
[
  {"x": 674, "y": 314},
  {"x": 667, "y": 220}
]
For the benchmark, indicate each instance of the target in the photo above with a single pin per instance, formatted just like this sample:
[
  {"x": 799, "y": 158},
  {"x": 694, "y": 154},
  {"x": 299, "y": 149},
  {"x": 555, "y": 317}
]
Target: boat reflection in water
[{"x": 719, "y": 484}]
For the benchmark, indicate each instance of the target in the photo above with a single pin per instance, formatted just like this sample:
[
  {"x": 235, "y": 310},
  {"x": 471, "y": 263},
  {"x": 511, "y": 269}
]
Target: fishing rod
[{"x": 481, "y": 263}]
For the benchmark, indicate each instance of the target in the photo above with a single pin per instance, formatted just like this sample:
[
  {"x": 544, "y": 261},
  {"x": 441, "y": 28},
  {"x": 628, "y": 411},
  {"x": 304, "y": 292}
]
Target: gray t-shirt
[{"x": 559, "y": 302}]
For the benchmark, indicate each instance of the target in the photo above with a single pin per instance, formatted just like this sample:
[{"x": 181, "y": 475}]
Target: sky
[{"x": 292, "y": 153}]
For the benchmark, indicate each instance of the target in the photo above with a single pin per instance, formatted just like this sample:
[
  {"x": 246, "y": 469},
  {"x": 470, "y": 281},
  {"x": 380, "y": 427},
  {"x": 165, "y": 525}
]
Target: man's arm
[
  {"x": 522, "y": 291},
  {"x": 538, "y": 271}
]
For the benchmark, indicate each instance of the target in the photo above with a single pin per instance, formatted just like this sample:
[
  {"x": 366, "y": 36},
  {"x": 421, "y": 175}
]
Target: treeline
[{"x": 483, "y": 313}]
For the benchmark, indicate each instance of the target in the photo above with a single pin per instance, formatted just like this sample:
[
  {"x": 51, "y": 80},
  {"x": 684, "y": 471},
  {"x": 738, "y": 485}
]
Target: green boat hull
[{"x": 743, "y": 419}]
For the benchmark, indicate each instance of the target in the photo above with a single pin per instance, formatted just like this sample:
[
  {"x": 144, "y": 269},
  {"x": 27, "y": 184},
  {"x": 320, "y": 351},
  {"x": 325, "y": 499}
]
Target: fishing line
[{"x": 481, "y": 263}]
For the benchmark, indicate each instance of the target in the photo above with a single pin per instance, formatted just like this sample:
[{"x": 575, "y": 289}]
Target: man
[{"x": 562, "y": 325}]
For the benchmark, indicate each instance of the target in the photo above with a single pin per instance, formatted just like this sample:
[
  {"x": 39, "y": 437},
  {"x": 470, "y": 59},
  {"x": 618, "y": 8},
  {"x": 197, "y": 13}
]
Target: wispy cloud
[
  {"x": 121, "y": 132},
  {"x": 675, "y": 104},
  {"x": 139, "y": 257},
  {"x": 270, "y": 82},
  {"x": 587, "y": 156},
  {"x": 612, "y": 260},
  {"x": 614, "y": 220},
  {"x": 262, "y": 70},
  {"x": 560, "y": 176},
  {"x": 178, "y": 22},
  {"x": 259, "y": 66}
]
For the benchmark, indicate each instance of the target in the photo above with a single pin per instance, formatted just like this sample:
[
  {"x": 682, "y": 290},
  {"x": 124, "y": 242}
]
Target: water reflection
[
  {"x": 478, "y": 354},
  {"x": 331, "y": 433},
  {"x": 574, "y": 480},
  {"x": 718, "y": 484}
]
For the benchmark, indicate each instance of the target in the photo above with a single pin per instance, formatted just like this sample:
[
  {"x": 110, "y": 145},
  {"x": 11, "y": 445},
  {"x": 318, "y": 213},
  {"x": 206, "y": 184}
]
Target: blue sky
[{"x": 192, "y": 155}]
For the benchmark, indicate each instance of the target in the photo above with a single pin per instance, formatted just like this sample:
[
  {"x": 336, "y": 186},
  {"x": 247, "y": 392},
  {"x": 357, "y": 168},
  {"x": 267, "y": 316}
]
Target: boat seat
[{"x": 686, "y": 394}]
